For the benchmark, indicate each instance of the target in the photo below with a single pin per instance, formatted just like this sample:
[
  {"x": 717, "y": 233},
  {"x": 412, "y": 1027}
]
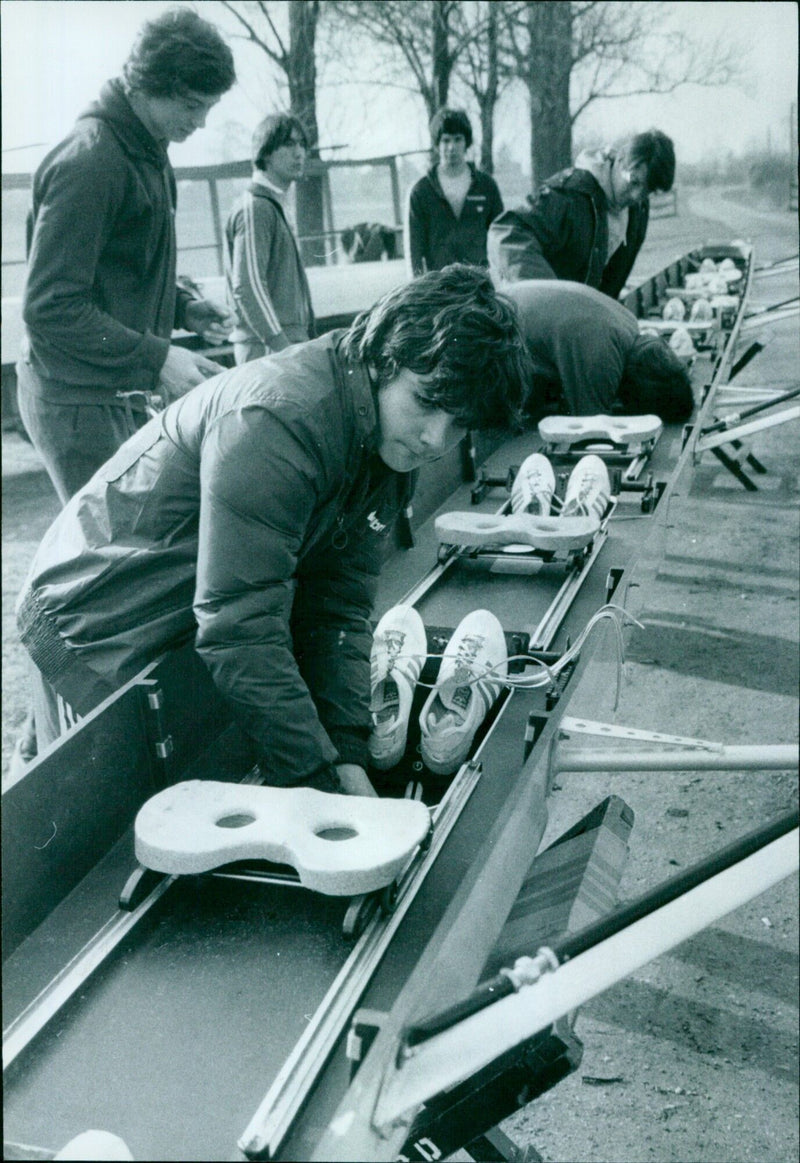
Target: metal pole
[
  {"x": 755, "y": 757},
  {"x": 458, "y": 1053},
  {"x": 730, "y": 421}
]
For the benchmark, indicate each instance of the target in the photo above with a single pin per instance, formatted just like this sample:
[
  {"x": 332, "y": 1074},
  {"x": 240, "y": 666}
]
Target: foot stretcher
[
  {"x": 340, "y": 845},
  {"x": 632, "y": 433},
  {"x": 548, "y": 534}
]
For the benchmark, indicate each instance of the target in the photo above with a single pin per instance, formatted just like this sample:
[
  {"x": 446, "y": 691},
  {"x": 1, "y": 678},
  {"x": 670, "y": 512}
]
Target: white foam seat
[
  {"x": 340, "y": 845},
  {"x": 668, "y": 325},
  {"x": 524, "y": 529},
  {"x": 619, "y": 429}
]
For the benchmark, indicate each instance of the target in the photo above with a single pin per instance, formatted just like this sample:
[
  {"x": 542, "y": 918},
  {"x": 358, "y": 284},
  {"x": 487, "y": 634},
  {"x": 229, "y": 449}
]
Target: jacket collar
[
  {"x": 363, "y": 394},
  {"x": 433, "y": 177},
  {"x": 113, "y": 108}
]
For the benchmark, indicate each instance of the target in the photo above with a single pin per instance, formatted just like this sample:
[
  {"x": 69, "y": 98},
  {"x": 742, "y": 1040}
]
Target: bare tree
[
  {"x": 295, "y": 56},
  {"x": 569, "y": 55},
  {"x": 478, "y": 68},
  {"x": 428, "y": 35}
]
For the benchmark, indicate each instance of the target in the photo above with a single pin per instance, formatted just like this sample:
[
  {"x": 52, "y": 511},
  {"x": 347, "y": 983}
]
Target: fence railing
[{"x": 353, "y": 190}]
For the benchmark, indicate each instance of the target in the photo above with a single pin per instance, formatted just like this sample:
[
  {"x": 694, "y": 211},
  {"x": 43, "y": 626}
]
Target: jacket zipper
[{"x": 594, "y": 240}]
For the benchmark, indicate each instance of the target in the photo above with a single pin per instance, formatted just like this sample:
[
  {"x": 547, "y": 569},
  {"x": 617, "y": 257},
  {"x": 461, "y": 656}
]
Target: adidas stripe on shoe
[
  {"x": 399, "y": 650},
  {"x": 534, "y": 485},
  {"x": 588, "y": 489}
]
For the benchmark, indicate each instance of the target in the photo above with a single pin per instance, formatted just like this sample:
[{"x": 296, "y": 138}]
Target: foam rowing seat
[
  {"x": 340, "y": 845},
  {"x": 618, "y": 429},
  {"x": 523, "y": 529}
]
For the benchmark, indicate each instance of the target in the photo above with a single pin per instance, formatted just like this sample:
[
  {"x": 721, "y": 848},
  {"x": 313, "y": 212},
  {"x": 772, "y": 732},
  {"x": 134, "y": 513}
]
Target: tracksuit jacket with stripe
[{"x": 266, "y": 283}]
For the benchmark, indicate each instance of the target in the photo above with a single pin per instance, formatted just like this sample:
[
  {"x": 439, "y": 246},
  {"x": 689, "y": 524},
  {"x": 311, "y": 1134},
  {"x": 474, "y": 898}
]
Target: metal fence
[{"x": 353, "y": 191}]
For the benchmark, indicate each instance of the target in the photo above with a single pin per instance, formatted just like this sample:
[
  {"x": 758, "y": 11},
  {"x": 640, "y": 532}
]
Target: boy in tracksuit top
[
  {"x": 266, "y": 284},
  {"x": 451, "y": 209}
]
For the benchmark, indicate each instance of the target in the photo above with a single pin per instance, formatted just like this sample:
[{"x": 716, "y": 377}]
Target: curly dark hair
[
  {"x": 452, "y": 327},
  {"x": 178, "y": 53},
  {"x": 655, "y": 380}
]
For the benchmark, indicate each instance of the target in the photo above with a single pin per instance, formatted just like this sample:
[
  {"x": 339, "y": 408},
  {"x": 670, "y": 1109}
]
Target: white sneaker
[
  {"x": 464, "y": 691},
  {"x": 533, "y": 487},
  {"x": 588, "y": 489},
  {"x": 681, "y": 343},
  {"x": 399, "y": 650}
]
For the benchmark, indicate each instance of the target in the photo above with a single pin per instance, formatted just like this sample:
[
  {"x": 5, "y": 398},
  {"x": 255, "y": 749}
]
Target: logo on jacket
[{"x": 375, "y": 525}]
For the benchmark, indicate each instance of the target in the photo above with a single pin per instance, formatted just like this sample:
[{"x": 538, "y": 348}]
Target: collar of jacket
[
  {"x": 354, "y": 375},
  {"x": 259, "y": 190},
  {"x": 433, "y": 177},
  {"x": 113, "y": 107},
  {"x": 582, "y": 182}
]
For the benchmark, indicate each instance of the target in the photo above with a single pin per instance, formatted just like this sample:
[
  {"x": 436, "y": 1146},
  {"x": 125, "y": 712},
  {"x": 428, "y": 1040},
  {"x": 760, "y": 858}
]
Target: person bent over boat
[
  {"x": 252, "y": 516},
  {"x": 589, "y": 357},
  {"x": 586, "y": 223}
]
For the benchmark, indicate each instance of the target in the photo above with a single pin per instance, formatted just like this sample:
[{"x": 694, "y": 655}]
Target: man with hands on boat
[
  {"x": 586, "y": 223},
  {"x": 252, "y": 516},
  {"x": 589, "y": 356},
  {"x": 101, "y": 296}
]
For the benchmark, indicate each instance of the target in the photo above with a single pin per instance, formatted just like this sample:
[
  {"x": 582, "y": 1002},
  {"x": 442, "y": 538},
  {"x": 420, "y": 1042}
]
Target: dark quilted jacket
[{"x": 255, "y": 513}]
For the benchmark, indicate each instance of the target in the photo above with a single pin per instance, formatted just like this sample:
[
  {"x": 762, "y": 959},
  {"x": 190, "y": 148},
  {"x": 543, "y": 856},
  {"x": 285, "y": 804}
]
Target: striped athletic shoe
[
  {"x": 399, "y": 650},
  {"x": 534, "y": 485},
  {"x": 588, "y": 489},
  {"x": 470, "y": 679}
]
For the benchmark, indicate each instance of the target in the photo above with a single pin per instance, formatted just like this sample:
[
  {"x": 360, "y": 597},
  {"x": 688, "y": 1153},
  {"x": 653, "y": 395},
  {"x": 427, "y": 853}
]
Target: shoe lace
[
  {"x": 589, "y": 483},
  {"x": 393, "y": 640},
  {"x": 468, "y": 649},
  {"x": 546, "y": 674}
]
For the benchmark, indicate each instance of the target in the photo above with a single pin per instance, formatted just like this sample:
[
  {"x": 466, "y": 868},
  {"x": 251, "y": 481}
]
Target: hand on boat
[{"x": 354, "y": 780}]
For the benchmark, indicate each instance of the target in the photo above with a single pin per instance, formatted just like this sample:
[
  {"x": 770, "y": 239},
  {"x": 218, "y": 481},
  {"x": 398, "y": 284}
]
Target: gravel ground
[{"x": 697, "y": 1053}]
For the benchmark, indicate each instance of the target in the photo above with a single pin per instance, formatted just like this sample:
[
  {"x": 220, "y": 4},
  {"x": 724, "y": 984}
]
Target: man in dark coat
[
  {"x": 586, "y": 223},
  {"x": 101, "y": 298},
  {"x": 252, "y": 516},
  {"x": 589, "y": 356},
  {"x": 451, "y": 208}
]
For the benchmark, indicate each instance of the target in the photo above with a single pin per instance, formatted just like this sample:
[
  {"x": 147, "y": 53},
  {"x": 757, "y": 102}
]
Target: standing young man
[
  {"x": 101, "y": 299},
  {"x": 451, "y": 208},
  {"x": 252, "y": 516},
  {"x": 586, "y": 223},
  {"x": 267, "y": 285}
]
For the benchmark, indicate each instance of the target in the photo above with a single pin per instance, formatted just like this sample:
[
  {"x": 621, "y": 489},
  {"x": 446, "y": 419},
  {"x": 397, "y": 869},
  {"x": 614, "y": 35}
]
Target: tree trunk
[
  {"x": 489, "y": 99},
  {"x": 442, "y": 62},
  {"x": 549, "y": 67},
  {"x": 302, "y": 76}
]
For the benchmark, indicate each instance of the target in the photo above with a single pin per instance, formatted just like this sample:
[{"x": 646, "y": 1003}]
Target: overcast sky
[{"x": 57, "y": 53}]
